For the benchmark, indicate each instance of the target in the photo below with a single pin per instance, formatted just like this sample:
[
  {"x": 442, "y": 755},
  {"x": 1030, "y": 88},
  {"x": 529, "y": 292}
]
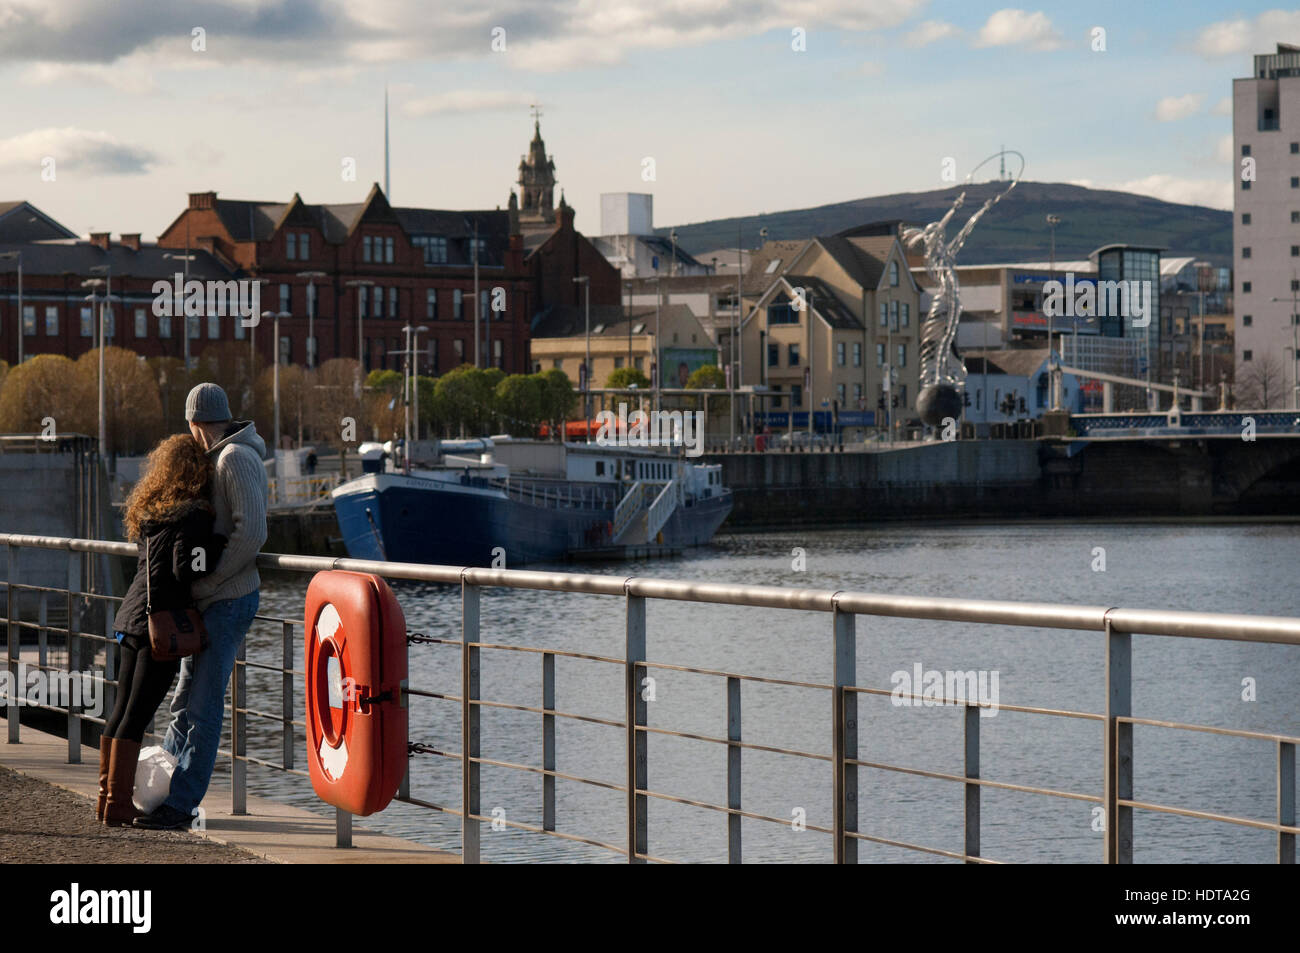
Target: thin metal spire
[{"x": 387, "y": 190}]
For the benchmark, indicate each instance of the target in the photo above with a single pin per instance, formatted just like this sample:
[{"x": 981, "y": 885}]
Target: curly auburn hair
[{"x": 178, "y": 472}]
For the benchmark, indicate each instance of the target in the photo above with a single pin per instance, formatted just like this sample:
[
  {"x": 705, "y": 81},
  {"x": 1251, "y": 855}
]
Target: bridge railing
[{"x": 1114, "y": 626}]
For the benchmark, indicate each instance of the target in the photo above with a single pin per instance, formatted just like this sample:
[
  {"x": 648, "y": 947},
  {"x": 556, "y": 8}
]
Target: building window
[
  {"x": 857, "y": 353},
  {"x": 392, "y": 302},
  {"x": 304, "y": 245},
  {"x": 893, "y": 274},
  {"x": 618, "y": 362},
  {"x": 51, "y": 321},
  {"x": 1245, "y": 287},
  {"x": 1295, "y": 217},
  {"x": 87, "y": 322},
  {"x": 1245, "y": 218},
  {"x": 29, "y": 320},
  {"x": 1295, "y": 181},
  {"x": 1295, "y": 251},
  {"x": 431, "y": 304},
  {"x": 1295, "y": 148},
  {"x": 907, "y": 314},
  {"x": 435, "y": 248},
  {"x": 792, "y": 355},
  {"x": 774, "y": 355},
  {"x": 841, "y": 350},
  {"x": 1245, "y": 251},
  {"x": 840, "y": 393},
  {"x": 880, "y": 355},
  {"x": 379, "y": 302},
  {"x": 1247, "y": 355},
  {"x": 857, "y": 392},
  {"x": 780, "y": 312},
  {"x": 1245, "y": 149},
  {"x": 1295, "y": 285},
  {"x": 141, "y": 323},
  {"x": 285, "y": 297},
  {"x": 366, "y": 248},
  {"x": 458, "y": 305},
  {"x": 388, "y": 249},
  {"x": 363, "y": 301},
  {"x": 1247, "y": 319},
  {"x": 884, "y": 314},
  {"x": 291, "y": 245},
  {"x": 458, "y": 346},
  {"x": 557, "y": 363},
  {"x": 214, "y": 327},
  {"x": 498, "y": 355},
  {"x": 893, "y": 315},
  {"x": 164, "y": 326},
  {"x": 1245, "y": 185},
  {"x": 796, "y": 395},
  {"x": 482, "y": 302},
  {"x": 902, "y": 355}
]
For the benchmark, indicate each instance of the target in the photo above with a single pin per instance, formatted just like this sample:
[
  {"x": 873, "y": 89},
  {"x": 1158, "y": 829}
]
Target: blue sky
[{"x": 736, "y": 119}]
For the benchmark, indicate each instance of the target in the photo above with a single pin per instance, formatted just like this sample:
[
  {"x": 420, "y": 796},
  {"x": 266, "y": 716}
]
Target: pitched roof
[
  {"x": 825, "y": 302},
  {"x": 611, "y": 320},
  {"x": 73, "y": 257},
  {"x": 21, "y": 221},
  {"x": 1016, "y": 362},
  {"x": 783, "y": 252}
]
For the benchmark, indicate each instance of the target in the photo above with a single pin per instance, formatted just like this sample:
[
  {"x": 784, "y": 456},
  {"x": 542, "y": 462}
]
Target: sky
[{"x": 112, "y": 112}]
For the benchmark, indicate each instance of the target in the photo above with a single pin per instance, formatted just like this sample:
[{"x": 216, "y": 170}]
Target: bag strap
[{"x": 148, "y": 593}]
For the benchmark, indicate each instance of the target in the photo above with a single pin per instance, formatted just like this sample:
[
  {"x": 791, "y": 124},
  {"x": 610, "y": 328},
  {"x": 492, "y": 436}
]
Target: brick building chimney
[
  {"x": 100, "y": 240},
  {"x": 203, "y": 200},
  {"x": 131, "y": 240}
]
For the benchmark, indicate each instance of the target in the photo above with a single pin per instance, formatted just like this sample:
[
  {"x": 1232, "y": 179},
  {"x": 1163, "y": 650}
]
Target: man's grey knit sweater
[{"x": 239, "y": 498}]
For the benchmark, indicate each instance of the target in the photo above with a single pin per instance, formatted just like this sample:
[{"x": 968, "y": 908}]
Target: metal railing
[{"x": 1116, "y": 627}]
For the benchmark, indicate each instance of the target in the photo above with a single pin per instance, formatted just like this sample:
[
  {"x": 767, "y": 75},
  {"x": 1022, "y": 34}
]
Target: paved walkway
[{"x": 40, "y": 825}]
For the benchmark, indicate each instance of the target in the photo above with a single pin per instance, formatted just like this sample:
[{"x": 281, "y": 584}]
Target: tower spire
[{"x": 387, "y": 191}]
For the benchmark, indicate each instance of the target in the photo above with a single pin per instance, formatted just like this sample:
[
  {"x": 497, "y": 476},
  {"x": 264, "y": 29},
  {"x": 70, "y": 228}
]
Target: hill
[{"x": 1013, "y": 230}]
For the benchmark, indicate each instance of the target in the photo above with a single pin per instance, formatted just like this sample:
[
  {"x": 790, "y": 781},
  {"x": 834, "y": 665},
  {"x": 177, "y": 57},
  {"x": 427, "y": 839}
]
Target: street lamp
[
  {"x": 275, "y": 375},
  {"x": 185, "y": 318},
  {"x": 18, "y": 255},
  {"x": 413, "y": 346},
  {"x": 585, "y": 281},
  {"x": 311, "y": 277},
  {"x": 1052, "y": 222},
  {"x": 360, "y": 283},
  {"x": 672, "y": 263}
]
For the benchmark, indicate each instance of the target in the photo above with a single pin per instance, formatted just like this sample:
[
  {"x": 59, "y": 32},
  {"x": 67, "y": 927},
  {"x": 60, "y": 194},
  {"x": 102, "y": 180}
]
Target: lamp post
[
  {"x": 414, "y": 348},
  {"x": 1205, "y": 281},
  {"x": 311, "y": 277},
  {"x": 275, "y": 375},
  {"x": 185, "y": 318},
  {"x": 585, "y": 281},
  {"x": 18, "y": 255},
  {"x": 1052, "y": 222},
  {"x": 360, "y": 283},
  {"x": 672, "y": 262},
  {"x": 477, "y": 335}
]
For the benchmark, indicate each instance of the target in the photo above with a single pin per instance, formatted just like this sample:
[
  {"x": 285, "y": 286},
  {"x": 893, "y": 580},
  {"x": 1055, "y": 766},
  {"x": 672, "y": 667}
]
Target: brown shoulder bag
[{"x": 173, "y": 633}]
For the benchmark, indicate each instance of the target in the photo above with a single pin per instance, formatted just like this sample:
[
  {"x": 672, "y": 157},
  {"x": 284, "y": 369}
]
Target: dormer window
[{"x": 893, "y": 274}]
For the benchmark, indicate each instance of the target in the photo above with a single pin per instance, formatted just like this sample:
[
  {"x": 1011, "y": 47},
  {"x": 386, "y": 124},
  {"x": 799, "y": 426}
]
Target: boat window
[{"x": 600, "y": 468}]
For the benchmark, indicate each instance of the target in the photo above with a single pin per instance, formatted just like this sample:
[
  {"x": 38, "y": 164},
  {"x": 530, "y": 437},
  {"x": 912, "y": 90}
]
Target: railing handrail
[{"x": 1212, "y": 625}]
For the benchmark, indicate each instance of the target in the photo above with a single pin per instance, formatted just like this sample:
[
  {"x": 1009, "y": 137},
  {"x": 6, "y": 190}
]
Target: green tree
[
  {"x": 628, "y": 377},
  {"x": 708, "y": 377},
  {"x": 559, "y": 400},
  {"x": 463, "y": 400},
  {"x": 520, "y": 403}
]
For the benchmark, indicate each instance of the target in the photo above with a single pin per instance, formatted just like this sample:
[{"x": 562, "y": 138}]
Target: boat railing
[
  {"x": 834, "y": 810},
  {"x": 559, "y": 495}
]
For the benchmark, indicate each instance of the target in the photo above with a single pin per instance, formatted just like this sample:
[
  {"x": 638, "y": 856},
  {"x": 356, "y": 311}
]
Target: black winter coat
[{"x": 170, "y": 566}]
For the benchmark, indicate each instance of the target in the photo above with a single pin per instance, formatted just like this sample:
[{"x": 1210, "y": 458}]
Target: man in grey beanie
[{"x": 228, "y": 598}]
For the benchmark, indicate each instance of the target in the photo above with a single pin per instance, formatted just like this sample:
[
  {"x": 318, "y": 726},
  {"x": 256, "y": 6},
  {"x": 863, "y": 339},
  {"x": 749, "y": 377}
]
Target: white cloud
[
  {"x": 931, "y": 31},
  {"x": 1260, "y": 35},
  {"x": 870, "y": 68},
  {"x": 1173, "y": 108},
  {"x": 74, "y": 150},
  {"x": 466, "y": 100},
  {"x": 1012, "y": 27},
  {"x": 1215, "y": 193},
  {"x": 1223, "y": 107}
]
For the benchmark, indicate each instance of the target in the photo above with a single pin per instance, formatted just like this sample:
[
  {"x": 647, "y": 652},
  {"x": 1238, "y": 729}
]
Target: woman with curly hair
[{"x": 170, "y": 517}]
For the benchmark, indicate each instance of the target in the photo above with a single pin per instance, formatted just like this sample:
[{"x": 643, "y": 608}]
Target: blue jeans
[{"x": 199, "y": 705}]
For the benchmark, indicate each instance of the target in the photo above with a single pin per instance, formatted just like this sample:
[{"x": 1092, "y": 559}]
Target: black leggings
[{"x": 142, "y": 684}]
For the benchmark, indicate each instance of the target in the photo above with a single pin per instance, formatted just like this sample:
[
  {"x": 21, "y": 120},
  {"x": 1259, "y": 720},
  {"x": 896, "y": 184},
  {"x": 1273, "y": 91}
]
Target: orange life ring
[{"x": 355, "y": 660}]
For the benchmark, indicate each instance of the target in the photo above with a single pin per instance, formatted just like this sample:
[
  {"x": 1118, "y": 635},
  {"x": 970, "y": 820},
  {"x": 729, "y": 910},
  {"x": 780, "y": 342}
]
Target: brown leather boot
[
  {"x": 105, "y": 746},
  {"x": 120, "y": 811}
]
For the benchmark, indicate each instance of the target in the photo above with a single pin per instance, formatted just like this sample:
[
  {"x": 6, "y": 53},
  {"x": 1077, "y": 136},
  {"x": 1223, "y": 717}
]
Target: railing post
[
  {"x": 733, "y": 769},
  {"x": 74, "y": 658},
  {"x": 42, "y": 636},
  {"x": 1286, "y": 800},
  {"x": 11, "y": 600},
  {"x": 972, "y": 770},
  {"x": 844, "y": 738},
  {"x": 635, "y": 714},
  {"x": 110, "y": 659},
  {"x": 469, "y": 724},
  {"x": 1118, "y": 741},
  {"x": 342, "y": 828},
  {"x": 238, "y": 737},
  {"x": 286, "y": 693},
  {"x": 548, "y": 741}
]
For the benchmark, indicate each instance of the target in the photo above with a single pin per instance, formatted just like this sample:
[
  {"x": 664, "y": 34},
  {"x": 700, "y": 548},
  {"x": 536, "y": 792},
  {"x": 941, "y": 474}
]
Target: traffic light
[{"x": 880, "y": 402}]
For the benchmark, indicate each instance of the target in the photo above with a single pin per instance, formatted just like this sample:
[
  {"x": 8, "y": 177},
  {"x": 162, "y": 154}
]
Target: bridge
[{"x": 266, "y": 694}]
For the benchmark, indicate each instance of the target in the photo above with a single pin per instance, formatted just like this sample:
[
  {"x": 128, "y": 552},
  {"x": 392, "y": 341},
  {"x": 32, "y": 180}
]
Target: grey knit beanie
[{"x": 207, "y": 403}]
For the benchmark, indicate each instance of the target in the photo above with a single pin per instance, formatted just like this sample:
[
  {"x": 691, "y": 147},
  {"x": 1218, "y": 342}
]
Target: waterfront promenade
[{"x": 48, "y": 810}]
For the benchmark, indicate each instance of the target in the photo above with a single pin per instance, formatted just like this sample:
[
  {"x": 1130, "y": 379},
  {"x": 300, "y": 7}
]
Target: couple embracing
[{"x": 198, "y": 517}]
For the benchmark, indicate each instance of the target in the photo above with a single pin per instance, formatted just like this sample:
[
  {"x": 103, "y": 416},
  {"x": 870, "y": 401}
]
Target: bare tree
[
  {"x": 1261, "y": 383},
  {"x": 132, "y": 405},
  {"x": 43, "y": 388}
]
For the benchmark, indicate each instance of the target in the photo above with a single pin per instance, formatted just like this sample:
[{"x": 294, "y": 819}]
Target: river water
[{"x": 1226, "y": 567}]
